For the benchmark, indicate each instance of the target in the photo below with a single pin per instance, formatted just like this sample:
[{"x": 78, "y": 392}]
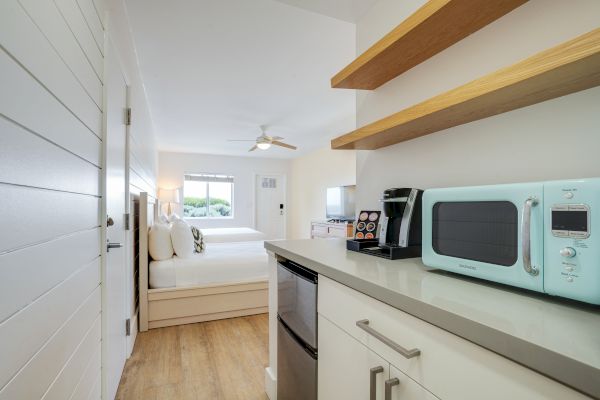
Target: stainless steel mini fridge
[{"x": 296, "y": 332}]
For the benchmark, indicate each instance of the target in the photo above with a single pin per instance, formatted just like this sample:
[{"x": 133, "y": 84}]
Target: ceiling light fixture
[
  {"x": 263, "y": 145},
  {"x": 264, "y": 141}
]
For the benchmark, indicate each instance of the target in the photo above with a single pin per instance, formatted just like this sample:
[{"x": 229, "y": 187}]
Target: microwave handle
[{"x": 526, "y": 236}]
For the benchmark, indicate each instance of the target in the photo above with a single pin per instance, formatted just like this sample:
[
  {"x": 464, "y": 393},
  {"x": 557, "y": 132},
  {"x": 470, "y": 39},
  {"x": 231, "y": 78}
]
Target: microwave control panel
[
  {"x": 571, "y": 240},
  {"x": 570, "y": 220}
]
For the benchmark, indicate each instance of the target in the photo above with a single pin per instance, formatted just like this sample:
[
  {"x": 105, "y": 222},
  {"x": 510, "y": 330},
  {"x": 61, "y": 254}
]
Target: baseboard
[{"x": 270, "y": 384}]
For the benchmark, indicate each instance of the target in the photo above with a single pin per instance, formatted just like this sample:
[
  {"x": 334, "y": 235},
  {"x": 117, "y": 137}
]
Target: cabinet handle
[
  {"x": 364, "y": 325},
  {"x": 373, "y": 379},
  {"x": 389, "y": 384}
]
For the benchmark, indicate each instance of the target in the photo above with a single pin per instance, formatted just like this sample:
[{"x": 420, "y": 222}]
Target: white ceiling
[
  {"x": 217, "y": 70},
  {"x": 346, "y": 10}
]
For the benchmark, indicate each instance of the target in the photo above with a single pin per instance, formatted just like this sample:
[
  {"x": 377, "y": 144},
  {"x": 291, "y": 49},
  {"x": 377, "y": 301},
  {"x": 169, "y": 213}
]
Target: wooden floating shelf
[
  {"x": 434, "y": 27},
  {"x": 567, "y": 68}
]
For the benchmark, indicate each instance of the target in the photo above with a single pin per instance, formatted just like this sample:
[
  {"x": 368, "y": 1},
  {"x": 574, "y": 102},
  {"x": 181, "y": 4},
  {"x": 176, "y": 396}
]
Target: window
[{"x": 208, "y": 196}]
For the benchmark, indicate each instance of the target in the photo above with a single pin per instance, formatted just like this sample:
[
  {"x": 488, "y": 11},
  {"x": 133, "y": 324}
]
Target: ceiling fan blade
[
  {"x": 281, "y": 144},
  {"x": 276, "y": 138},
  {"x": 253, "y": 148}
]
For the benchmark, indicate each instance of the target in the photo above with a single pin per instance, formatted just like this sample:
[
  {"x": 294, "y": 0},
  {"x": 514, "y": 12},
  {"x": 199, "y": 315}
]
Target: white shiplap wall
[{"x": 51, "y": 68}]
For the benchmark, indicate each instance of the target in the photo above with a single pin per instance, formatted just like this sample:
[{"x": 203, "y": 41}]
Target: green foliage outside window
[{"x": 196, "y": 207}]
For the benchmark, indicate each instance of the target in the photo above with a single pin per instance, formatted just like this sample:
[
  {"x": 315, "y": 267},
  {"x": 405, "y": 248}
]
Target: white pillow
[
  {"x": 182, "y": 239},
  {"x": 174, "y": 217},
  {"x": 159, "y": 242}
]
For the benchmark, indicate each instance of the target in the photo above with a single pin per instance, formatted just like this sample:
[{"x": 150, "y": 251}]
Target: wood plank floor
[{"x": 223, "y": 359}]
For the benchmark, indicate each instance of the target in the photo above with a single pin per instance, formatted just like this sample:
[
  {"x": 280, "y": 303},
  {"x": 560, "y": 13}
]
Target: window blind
[{"x": 209, "y": 178}]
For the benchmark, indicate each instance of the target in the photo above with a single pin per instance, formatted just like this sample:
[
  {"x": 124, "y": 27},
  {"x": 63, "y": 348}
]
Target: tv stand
[{"x": 331, "y": 228}]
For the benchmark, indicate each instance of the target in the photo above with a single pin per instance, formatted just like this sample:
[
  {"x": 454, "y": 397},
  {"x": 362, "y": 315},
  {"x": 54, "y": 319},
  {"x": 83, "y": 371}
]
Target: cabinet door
[
  {"x": 405, "y": 388},
  {"x": 337, "y": 231},
  {"x": 345, "y": 366}
]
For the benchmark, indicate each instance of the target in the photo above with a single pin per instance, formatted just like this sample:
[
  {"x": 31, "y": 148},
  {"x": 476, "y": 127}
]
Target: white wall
[
  {"x": 172, "y": 167},
  {"x": 310, "y": 177},
  {"x": 51, "y": 74},
  {"x": 551, "y": 140},
  {"x": 143, "y": 154}
]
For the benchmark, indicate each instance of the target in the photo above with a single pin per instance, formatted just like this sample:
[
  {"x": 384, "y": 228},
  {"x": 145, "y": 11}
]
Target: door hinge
[
  {"x": 128, "y": 116},
  {"x": 128, "y": 327},
  {"x": 126, "y": 218}
]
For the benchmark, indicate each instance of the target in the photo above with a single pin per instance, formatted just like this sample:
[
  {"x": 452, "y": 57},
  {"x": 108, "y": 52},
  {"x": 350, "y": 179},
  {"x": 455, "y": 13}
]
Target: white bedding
[
  {"x": 220, "y": 263},
  {"x": 227, "y": 235}
]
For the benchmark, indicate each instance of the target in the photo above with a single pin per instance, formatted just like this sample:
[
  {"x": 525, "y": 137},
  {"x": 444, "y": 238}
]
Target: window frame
[{"x": 232, "y": 183}]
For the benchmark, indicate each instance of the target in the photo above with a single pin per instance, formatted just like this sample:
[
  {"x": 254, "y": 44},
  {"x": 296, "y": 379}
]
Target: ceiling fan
[{"x": 264, "y": 141}]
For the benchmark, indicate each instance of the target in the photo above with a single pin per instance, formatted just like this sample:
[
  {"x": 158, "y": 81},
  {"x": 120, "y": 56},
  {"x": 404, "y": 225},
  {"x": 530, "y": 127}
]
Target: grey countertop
[{"x": 556, "y": 337}]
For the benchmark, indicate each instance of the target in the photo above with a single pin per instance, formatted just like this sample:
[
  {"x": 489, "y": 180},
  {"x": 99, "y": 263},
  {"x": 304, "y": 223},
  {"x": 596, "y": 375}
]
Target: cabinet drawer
[
  {"x": 320, "y": 229},
  {"x": 337, "y": 231},
  {"x": 448, "y": 366}
]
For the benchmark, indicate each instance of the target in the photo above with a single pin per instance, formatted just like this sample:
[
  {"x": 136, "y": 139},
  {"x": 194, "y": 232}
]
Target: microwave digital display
[{"x": 570, "y": 221}]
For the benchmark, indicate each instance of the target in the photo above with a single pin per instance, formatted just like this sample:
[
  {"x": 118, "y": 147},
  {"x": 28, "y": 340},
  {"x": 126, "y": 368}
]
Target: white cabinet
[
  {"x": 351, "y": 371},
  {"x": 406, "y": 388},
  {"x": 345, "y": 365},
  {"x": 448, "y": 366},
  {"x": 325, "y": 229}
]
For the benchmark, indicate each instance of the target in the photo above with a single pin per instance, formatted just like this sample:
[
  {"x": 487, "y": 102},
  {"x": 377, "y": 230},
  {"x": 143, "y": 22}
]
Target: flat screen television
[{"x": 341, "y": 203}]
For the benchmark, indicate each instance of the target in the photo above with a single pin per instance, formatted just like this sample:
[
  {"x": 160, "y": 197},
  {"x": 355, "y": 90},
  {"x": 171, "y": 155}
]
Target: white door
[
  {"x": 270, "y": 205},
  {"x": 346, "y": 366},
  {"x": 114, "y": 303}
]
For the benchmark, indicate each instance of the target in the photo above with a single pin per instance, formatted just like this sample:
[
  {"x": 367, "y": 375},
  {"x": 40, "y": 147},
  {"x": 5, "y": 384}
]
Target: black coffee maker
[{"x": 401, "y": 218}]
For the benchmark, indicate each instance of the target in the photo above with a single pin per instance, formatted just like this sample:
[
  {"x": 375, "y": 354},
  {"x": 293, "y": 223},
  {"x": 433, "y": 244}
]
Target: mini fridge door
[
  {"x": 296, "y": 367},
  {"x": 297, "y": 301}
]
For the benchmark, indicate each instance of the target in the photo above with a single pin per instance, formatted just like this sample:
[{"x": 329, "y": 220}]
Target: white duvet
[
  {"x": 227, "y": 235},
  {"x": 220, "y": 263}
]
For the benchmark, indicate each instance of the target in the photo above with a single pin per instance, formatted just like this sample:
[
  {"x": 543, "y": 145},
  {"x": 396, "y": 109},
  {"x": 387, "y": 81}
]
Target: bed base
[
  {"x": 186, "y": 305},
  {"x": 178, "y": 306}
]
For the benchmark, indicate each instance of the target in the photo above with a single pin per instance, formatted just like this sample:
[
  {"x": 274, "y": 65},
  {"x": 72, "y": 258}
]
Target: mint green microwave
[{"x": 542, "y": 236}]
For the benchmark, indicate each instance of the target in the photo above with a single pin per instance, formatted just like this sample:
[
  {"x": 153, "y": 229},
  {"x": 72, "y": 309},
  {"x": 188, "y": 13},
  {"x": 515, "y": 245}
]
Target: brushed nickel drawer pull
[
  {"x": 373, "y": 382},
  {"x": 389, "y": 384},
  {"x": 364, "y": 325}
]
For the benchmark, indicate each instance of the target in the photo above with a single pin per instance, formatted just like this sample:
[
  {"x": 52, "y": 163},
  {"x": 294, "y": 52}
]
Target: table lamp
[{"x": 168, "y": 196}]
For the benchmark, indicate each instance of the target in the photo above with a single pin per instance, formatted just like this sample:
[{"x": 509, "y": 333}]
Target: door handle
[
  {"x": 373, "y": 382},
  {"x": 389, "y": 384},
  {"x": 526, "y": 236},
  {"x": 113, "y": 246},
  {"x": 364, "y": 325}
]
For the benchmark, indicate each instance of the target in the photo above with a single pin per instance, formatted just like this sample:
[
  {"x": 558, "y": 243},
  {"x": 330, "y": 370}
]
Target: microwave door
[{"x": 493, "y": 232}]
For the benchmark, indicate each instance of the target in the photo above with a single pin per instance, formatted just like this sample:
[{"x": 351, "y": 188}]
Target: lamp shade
[{"x": 168, "y": 195}]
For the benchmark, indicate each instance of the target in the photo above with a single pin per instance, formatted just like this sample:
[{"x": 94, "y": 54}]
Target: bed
[
  {"x": 227, "y": 280},
  {"x": 220, "y": 263}
]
